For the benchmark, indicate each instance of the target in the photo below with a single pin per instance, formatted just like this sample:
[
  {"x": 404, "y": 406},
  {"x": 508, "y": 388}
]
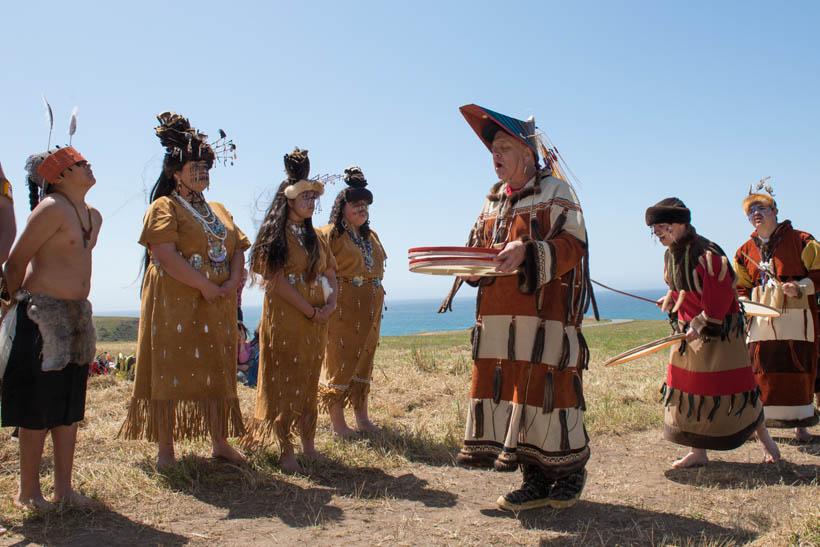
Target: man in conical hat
[
  {"x": 526, "y": 401},
  {"x": 780, "y": 266}
]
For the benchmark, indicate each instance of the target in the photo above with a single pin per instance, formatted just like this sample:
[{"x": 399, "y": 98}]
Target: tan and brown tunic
[
  {"x": 353, "y": 330},
  {"x": 186, "y": 352},
  {"x": 291, "y": 349}
]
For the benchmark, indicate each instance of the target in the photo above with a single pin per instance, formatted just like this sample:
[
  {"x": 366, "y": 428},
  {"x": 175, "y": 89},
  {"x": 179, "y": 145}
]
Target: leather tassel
[
  {"x": 564, "y": 362},
  {"x": 755, "y": 394},
  {"x": 478, "y": 419},
  {"x": 584, "y": 347},
  {"x": 549, "y": 395},
  {"x": 535, "y": 229},
  {"x": 475, "y": 339},
  {"x": 562, "y": 418},
  {"x": 691, "y": 399},
  {"x": 662, "y": 392},
  {"x": 680, "y": 401},
  {"x": 511, "y": 341},
  {"x": 715, "y": 407},
  {"x": 579, "y": 393},
  {"x": 538, "y": 344},
  {"x": 745, "y": 402},
  {"x": 700, "y": 406},
  {"x": 669, "y": 397},
  {"x": 731, "y": 404},
  {"x": 497, "y": 384}
]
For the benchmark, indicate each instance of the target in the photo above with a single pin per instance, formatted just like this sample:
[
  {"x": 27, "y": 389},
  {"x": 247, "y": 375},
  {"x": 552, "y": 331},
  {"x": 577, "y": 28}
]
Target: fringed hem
[
  {"x": 358, "y": 393},
  {"x": 186, "y": 420},
  {"x": 281, "y": 430},
  {"x": 330, "y": 396}
]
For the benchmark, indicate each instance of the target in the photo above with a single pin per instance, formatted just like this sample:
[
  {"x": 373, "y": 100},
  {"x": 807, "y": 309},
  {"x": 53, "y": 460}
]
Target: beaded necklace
[
  {"x": 215, "y": 232},
  {"x": 362, "y": 244}
]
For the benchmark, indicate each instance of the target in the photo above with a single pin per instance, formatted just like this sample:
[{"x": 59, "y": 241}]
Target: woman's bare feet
[
  {"x": 695, "y": 458},
  {"x": 223, "y": 449},
  {"x": 288, "y": 463},
  {"x": 75, "y": 498},
  {"x": 802, "y": 435},
  {"x": 363, "y": 422},
  {"x": 337, "y": 422},
  {"x": 35, "y": 501},
  {"x": 771, "y": 452}
]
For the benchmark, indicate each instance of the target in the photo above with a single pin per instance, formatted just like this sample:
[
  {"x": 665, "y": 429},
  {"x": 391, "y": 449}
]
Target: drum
[
  {"x": 466, "y": 261},
  {"x": 756, "y": 309},
  {"x": 644, "y": 350}
]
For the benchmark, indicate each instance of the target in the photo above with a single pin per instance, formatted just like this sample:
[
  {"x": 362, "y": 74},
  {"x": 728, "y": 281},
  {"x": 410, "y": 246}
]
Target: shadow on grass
[
  {"x": 596, "y": 523},
  {"x": 100, "y": 526},
  {"x": 371, "y": 483},
  {"x": 248, "y": 491},
  {"x": 415, "y": 446},
  {"x": 748, "y": 476}
]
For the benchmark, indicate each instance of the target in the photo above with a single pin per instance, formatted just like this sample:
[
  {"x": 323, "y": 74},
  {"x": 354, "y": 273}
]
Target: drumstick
[{"x": 625, "y": 293}]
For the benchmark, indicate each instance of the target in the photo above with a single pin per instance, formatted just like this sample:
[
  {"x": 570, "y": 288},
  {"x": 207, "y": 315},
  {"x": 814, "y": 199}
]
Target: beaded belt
[{"x": 359, "y": 281}]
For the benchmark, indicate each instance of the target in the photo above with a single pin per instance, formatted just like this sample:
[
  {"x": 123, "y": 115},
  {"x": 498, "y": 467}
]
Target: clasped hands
[
  {"x": 510, "y": 259},
  {"x": 212, "y": 292}
]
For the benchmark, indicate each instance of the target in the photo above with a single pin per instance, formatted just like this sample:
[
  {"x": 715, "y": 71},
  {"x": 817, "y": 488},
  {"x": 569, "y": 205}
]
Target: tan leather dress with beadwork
[
  {"x": 186, "y": 353},
  {"x": 353, "y": 331},
  {"x": 291, "y": 349}
]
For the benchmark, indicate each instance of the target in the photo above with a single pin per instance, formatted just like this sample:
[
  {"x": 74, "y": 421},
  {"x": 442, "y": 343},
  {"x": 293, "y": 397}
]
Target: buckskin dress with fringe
[
  {"x": 526, "y": 400},
  {"x": 291, "y": 349},
  {"x": 186, "y": 350},
  {"x": 353, "y": 329},
  {"x": 784, "y": 349},
  {"x": 710, "y": 396}
]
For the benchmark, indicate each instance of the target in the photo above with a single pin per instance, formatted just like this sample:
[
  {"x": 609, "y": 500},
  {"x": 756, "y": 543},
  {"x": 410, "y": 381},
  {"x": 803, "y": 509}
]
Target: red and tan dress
[
  {"x": 291, "y": 350},
  {"x": 526, "y": 400},
  {"x": 783, "y": 349},
  {"x": 186, "y": 351},
  {"x": 710, "y": 397},
  {"x": 353, "y": 330}
]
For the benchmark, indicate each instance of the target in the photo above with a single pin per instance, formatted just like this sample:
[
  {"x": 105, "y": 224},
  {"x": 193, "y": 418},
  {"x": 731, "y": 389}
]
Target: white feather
[
  {"x": 49, "y": 119},
  {"x": 72, "y": 124}
]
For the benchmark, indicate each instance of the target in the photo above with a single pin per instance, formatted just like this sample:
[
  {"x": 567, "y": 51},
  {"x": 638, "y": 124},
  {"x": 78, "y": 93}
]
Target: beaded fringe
[
  {"x": 282, "y": 429},
  {"x": 354, "y": 396}
]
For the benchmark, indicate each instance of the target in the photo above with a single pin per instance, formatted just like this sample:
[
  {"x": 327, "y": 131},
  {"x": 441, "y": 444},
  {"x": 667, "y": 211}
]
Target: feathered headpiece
[
  {"x": 297, "y": 167},
  {"x": 356, "y": 183},
  {"x": 46, "y": 167},
  {"x": 486, "y": 123},
  {"x": 756, "y": 196},
  {"x": 184, "y": 143}
]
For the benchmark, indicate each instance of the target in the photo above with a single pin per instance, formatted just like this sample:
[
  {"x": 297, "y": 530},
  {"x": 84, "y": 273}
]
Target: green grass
[{"x": 116, "y": 329}]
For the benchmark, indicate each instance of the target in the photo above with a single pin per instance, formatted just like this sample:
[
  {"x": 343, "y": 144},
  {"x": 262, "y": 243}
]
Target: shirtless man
[{"x": 45, "y": 380}]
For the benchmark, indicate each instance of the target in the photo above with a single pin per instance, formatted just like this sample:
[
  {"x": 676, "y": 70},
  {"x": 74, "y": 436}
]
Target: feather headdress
[
  {"x": 756, "y": 196},
  {"x": 184, "y": 143}
]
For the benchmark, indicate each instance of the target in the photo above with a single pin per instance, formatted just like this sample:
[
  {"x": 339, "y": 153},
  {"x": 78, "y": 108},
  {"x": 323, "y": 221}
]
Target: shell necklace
[
  {"x": 362, "y": 244},
  {"x": 214, "y": 231}
]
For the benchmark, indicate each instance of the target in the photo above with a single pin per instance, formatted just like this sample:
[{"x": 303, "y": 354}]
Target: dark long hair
[
  {"x": 337, "y": 216},
  {"x": 269, "y": 253}
]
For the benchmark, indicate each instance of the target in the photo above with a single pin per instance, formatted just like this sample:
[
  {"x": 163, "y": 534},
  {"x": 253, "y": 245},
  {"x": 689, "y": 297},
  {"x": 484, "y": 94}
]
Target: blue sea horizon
[{"x": 404, "y": 317}]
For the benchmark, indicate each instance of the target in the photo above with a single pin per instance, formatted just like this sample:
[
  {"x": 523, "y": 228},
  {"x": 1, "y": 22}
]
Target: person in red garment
[
  {"x": 710, "y": 396},
  {"x": 780, "y": 266}
]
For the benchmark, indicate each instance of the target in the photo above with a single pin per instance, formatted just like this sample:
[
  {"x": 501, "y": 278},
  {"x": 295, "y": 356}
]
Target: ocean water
[{"x": 414, "y": 316}]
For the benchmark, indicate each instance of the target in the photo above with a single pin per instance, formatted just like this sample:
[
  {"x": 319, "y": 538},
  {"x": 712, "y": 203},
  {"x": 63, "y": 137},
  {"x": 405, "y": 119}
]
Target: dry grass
[{"x": 401, "y": 487}]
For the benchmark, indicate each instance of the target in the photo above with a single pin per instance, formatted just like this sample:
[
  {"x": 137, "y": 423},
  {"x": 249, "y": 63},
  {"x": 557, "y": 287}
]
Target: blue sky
[{"x": 644, "y": 100}]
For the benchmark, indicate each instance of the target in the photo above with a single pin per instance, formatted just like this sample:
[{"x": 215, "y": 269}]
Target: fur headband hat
[
  {"x": 766, "y": 199},
  {"x": 356, "y": 191},
  {"x": 668, "y": 211},
  {"x": 297, "y": 167}
]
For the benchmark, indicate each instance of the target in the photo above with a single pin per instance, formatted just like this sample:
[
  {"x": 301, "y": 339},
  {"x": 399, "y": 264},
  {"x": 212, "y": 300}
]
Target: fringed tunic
[
  {"x": 291, "y": 349},
  {"x": 353, "y": 330},
  {"x": 185, "y": 378},
  {"x": 710, "y": 396},
  {"x": 783, "y": 349},
  {"x": 526, "y": 399}
]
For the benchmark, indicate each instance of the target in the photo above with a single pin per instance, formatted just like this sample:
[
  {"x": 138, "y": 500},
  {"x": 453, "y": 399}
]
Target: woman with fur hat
[
  {"x": 185, "y": 384},
  {"x": 297, "y": 270},
  {"x": 710, "y": 396},
  {"x": 353, "y": 331}
]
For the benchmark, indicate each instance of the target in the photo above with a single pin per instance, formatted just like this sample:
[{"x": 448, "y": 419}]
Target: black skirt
[{"x": 34, "y": 399}]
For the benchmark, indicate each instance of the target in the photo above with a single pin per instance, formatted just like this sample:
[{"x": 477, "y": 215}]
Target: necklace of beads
[
  {"x": 214, "y": 231},
  {"x": 363, "y": 245},
  {"x": 299, "y": 231}
]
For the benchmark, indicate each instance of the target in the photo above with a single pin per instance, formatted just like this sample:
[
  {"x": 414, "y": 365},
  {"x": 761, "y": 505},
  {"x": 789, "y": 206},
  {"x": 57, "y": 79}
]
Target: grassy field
[{"x": 401, "y": 487}]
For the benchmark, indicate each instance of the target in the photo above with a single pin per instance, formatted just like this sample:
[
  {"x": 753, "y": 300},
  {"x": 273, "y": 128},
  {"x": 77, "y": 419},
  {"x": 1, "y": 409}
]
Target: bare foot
[
  {"x": 343, "y": 432},
  {"x": 165, "y": 460},
  {"x": 695, "y": 458},
  {"x": 225, "y": 450},
  {"x": 75, "y": 498},
  {"x": 32, "y": 502},
  {"x": 288, "y": 463},
  {"x": 801, "y": 435},
  {"x": 367, "y": 426}
]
